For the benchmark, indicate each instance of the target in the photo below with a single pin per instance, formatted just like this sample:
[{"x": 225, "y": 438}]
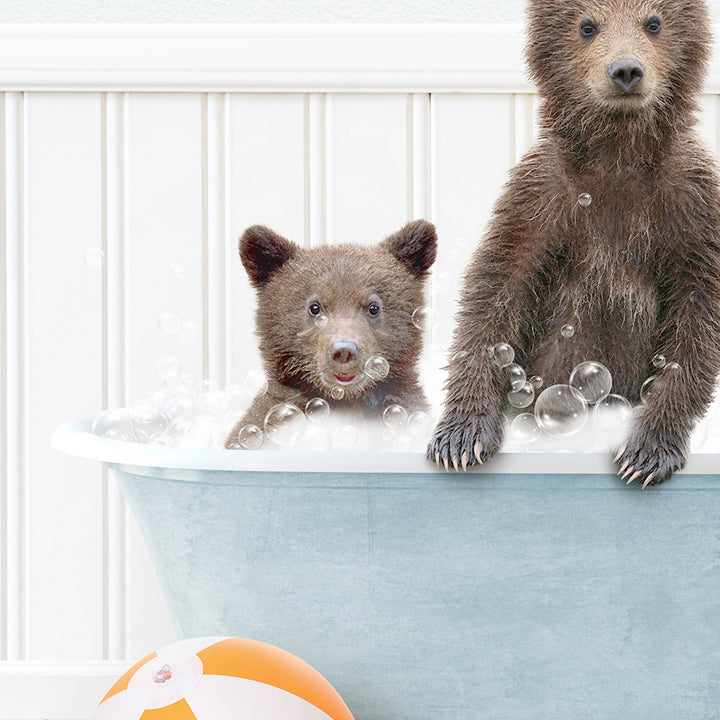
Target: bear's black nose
[
  {"x": 344, "y": 352},
  {"x": 626, "y": 73}
]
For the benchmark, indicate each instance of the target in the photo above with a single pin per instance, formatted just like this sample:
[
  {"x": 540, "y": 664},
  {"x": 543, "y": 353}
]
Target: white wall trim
[
  {"x": 263, "y": 58},
  {"x": 59, "y": 691},
  {"x": 484, "y": 58}
]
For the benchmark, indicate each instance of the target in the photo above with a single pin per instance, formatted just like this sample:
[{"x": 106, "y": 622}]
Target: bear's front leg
[
  {"x": 689, "y": 338},
  {"x": 470, "y": 429},
  {"x": 656, "y": 447},
  {"x": 498, "y": 306}
]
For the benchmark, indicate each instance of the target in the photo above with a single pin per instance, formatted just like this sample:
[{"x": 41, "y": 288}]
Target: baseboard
[{"x": 57, "y": 691}]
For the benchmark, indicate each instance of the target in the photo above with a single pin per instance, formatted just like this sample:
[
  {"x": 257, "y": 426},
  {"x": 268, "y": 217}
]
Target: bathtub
[{"x": 537, "y": 587}]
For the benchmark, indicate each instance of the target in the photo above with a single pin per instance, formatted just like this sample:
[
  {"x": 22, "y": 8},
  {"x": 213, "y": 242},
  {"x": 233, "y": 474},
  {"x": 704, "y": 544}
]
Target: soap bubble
[
  {"x": 345, "y": 437},
  {"x": 231, "y": 420},
  {"x": 210, "y": 398},
  {"x": 522, "y": 397},
  {"x": 249, "y": 437},
  {"x": 337, "y": 393},
  {"x": 178, "y": 270},
  {"x": 317, "y": 410},
  {"x": 118, "y": 421},
  {"x": 418, "y": 423},
  {"x": 255, "y": 382},
  {"x": 567, "y": 331},
  {"x": 321, "y": 321},
  {"x": 592, "y": 380},
  {"x": 645, "y": 388},
  {"x": 148, "y": 421},
  {"x": 315, "y": 437},
  {"x": 161, "y": 439},
  {"x": 169, "y": 323},
  {"x": 561, "y": 411},
  {"x": 611, "y": 412},
  {"x": 395, "y": 416},
  {"x": 94, "y": 257},
  {"x": 169, "y": 367},
  {"x": 502, "y": 354},
  {"x": 201, "y": 433},
  {"x": 672, "y": 367},
  {"x": 659, "y": 361},
  {"x": 584, "y": 199},
  {"x": 284, "y": 423},
  {"x": 377, "y": 367},
  {"x": 236, "y": 397},
  {"x": 536, "y": 381},
  {"x": 114, "y": 434},
  {"x": 143, "y": 410},
  {"x": 189, "y": 332},
  {"x": 425, "y": 318},
  {"x": 516, "y": 374},
  {"x": 524, "y": 427},
  {"x": 180, "y": 426}
]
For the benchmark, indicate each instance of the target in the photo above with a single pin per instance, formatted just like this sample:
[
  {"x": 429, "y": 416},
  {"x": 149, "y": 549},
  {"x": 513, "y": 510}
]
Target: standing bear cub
[
  {"x": 336, "y": 322},
  {"x": 611, "y": 224}
]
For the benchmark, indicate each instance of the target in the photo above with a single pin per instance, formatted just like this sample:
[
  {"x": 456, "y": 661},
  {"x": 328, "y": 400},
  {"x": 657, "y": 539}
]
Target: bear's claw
[
  {"x": 465, "y": 442},
  {"x": 649, "y": 459}
]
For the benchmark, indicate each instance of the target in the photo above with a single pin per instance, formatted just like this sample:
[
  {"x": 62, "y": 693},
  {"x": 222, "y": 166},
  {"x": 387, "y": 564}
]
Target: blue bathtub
[{"x": 537, "y": 588}]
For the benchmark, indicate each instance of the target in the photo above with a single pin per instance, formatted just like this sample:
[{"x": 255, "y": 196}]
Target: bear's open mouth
[{"x": 346, "y": 379}]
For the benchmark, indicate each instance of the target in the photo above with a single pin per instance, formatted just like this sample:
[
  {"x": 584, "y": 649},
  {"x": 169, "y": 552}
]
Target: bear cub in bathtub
[
  {"x": 336, "y": 322},
  {"x": 610, "y": 224}
]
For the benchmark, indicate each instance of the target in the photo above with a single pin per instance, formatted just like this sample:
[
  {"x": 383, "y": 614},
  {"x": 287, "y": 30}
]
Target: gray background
[{"x": 255, "y": 11}]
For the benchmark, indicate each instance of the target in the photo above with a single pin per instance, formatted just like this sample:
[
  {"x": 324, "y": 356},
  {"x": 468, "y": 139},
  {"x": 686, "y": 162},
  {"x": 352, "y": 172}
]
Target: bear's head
[
  {"x": 597, "y": 61},
  {"x": 323, "y": 312}
]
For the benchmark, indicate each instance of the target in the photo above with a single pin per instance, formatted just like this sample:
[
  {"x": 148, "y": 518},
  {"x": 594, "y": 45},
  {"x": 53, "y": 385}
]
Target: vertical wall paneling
[
  {"x": 12, "y": 612},
  {"x": 114, "y": 636},
  {"x": 163, "y": 235},
  {"x": 164, "y": 276},
  {"x": 316, "y": 170},
  {"x": 64, "y": 322},
  {"x": 368, "y": 185},
  {"x": 3, "y": 391},
  {"x": 420, "y": 196},
  {"x": 472, "y": 149},
  {"x": 524, "y": 110},
  {"x": 267, "y": 153},
  {"x": 419, "y": 156},
  {"x": 215, "y": 236},
  {"x": 708, "y": 120}
]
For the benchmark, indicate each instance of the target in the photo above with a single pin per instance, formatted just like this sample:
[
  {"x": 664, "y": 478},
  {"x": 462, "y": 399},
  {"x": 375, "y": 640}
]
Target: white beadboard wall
[{"x": 159, "y": 145}]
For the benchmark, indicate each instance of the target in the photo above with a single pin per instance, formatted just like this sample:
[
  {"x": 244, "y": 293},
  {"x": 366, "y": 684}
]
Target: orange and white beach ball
[{"x": 222, "y": 679}]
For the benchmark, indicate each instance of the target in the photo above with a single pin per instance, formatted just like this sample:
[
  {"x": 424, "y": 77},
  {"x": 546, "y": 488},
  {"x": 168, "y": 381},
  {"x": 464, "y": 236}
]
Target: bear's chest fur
[{"x": 603, "y": 291}]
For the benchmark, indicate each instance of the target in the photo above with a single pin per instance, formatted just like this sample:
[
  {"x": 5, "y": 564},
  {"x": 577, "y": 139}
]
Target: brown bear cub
[
  {"x": 324, "y": 313},
  {"x": 611, "y": 224}
]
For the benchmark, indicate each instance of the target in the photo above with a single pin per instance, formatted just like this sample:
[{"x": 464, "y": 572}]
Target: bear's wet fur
[
  {"x": 323, "y": 312},
  {"x": 637, "y": 271}
]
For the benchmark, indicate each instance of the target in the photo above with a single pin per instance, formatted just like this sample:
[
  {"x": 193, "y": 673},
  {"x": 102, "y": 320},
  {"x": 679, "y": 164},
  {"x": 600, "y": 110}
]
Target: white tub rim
[{"x": 75, "y": 437}]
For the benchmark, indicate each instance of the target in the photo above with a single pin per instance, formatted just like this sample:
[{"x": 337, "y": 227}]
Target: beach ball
[{"x": 222, "y": 679}]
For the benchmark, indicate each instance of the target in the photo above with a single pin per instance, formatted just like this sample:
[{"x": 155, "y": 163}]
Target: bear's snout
[
  {"x": 626, "y": 73},
  {"x": 343, "y": 352}
]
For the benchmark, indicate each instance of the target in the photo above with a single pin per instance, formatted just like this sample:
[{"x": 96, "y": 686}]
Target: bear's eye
[
  {"x": 373, "y": 309},
  {"x": 653, "y": 25},
  {"x": 587, "y": 28},
  {"x": 315, "y": 309}
]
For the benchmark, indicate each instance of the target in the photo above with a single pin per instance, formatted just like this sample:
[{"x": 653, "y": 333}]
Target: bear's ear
[
  {"x": 415, "y": 246},
  {"x": 263, "y": 252}
]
